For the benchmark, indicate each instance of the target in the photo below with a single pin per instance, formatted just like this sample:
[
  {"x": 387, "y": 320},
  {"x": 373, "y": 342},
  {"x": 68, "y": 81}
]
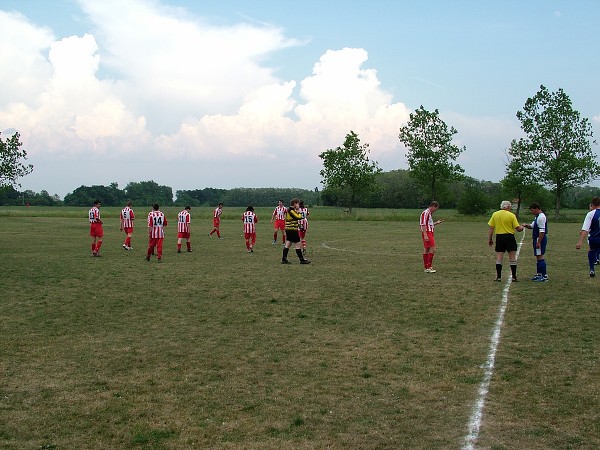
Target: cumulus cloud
[{"x": 153, "y": 82}]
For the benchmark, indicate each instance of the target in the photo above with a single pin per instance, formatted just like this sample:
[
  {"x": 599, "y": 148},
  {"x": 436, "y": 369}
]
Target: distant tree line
[{"x": 394, "y": 189}]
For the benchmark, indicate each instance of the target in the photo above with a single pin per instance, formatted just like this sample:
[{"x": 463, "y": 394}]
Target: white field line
[
  {"x": 328, "y": 246},
  {"x": 477, "y": 413}
]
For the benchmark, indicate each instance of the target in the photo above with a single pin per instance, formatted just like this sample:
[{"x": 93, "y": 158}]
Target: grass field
[{"x": 223, "y": 349}]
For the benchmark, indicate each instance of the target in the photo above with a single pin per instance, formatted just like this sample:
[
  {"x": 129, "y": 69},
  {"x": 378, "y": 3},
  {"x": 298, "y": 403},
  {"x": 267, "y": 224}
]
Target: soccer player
[
  {"x": 217, "y": 221},
  {"x": 183, "y": 228},
  {"x": 539, "y": 239},
  {"x": 127, "y": 216},
  {"x": 278, "y": 215},
  {"x": 156, "y": 232},
  {"x": 504, "y": 223},
  {"x": 427, "y": 226},
  {"x": 292, "y": 217},
  {"x": 250, "y": 219},
  {"x": 303, "y": 225},
  {"x": 96, "y": 230},
  {"x": 591, "y": 230}
]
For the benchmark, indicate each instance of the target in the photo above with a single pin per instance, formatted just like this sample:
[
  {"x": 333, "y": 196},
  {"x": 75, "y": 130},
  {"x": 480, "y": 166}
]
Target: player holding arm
[{"x": 292, "y": 218}]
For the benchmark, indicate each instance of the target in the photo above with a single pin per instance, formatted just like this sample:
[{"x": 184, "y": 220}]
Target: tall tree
[
  {"x": 11, "y": 167},
  {"x": 519, "y": 179},
  {"x": 430, "y": 150},
  {"x": 348, "y": 168},
  {"x": 558, "y": 143}
]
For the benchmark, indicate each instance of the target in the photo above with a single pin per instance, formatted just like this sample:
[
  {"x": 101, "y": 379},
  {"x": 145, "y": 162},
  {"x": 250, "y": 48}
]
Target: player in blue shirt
[
  {"x": 540, "y": 239},
  {"x": 591, "y": 230}
]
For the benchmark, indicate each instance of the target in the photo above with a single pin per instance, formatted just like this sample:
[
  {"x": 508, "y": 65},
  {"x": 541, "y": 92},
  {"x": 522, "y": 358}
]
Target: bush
[{"x": 473, "y": 202}]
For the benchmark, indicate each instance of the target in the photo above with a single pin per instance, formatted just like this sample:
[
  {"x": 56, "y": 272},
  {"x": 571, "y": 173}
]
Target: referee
[{"x": 503, "y": 224}]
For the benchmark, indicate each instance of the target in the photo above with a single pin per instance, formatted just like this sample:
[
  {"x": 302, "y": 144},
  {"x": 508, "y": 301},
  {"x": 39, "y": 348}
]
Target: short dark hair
[
  {"x": 97, "y": 202},
  {"x": 596, "y": 201},
  {"x": 535, "y": 205},
  {"x": 434, "y": 203},
  {"x": 155, "y": 207},
  {"x": 188, "y": 207},
  {"x": 250, "y": 208}
]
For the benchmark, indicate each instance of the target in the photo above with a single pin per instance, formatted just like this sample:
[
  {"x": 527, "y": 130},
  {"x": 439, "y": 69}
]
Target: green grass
[{"x": 223, "y": 349}]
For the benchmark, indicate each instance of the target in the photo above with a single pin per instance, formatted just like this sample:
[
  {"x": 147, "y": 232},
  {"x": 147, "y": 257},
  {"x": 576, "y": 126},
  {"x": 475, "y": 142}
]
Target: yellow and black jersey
[{"x": 291, "y": 219}]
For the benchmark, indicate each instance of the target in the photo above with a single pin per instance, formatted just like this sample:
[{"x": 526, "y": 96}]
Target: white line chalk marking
[{"x": 477, "y": 414}]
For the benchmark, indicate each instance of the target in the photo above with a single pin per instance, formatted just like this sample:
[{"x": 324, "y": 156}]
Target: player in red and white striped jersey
[
  {"x": 303, "y": 225},
  {"x": 279, "y": 217},
  {"x": 427, "y": 225},
  {"x": 250, "y": 219},
  {"x": 156, "y": 232},
  {"x": 127, "y": 217},
  {"x": 183, "y": 228},
  {"x": 96, "y": 230},
  {"x": 217, "y": 221}
]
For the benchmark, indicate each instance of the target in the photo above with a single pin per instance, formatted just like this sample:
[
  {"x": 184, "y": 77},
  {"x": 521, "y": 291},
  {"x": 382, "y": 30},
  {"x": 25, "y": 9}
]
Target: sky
[{"x": 239, "y": 93}]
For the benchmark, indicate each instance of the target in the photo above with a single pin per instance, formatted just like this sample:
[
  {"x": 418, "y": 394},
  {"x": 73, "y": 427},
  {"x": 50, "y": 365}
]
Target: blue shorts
[{"x": 542, "y": 250}]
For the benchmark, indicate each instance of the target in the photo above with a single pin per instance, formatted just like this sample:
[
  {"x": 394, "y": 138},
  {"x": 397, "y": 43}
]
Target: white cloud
[{"x": 152, "y": 89}]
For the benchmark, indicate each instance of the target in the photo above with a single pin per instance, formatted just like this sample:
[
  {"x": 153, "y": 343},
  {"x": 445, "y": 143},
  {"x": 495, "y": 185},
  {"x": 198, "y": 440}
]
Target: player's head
[
  {"x": 250, "y": 208},
  {"x": 220, "y": 205},
  {"x": 280, "y": 201},
  {"x": 506, "y": 205},
  {"x": 155, "y": 207},
  {"x": 188, "y": 207},
  {"x": 434, "y": 205},
  {"x": 535, "y": 206},
  {"x": 97, "y": 202},
  {"x": 595, "y": 202},
  {"x": 129, "y": 203},
  {"x": 294, "y": 202}
]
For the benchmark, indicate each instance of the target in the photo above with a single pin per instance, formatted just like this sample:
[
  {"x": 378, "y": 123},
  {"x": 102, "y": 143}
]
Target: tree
[
  {"x": 348, "y": 168},
  {"x": 520, "y": 177},
  {"x": 430, "y": 149},
  {"x": 11, "y": 167},
  {"x": 557, "y": 143}
]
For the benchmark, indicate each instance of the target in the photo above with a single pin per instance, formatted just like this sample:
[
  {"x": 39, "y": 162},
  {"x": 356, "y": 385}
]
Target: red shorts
[
  {"x": 183, "y": 235},
  {"x": 431, "y": 242},
  {"x": 279, "y": 224},
  {"x": 96, "y": 230},
  {"x": 216, "y": 222},
  {"x": 128, "y": 230},
  {"x": 250, "y": 236}
]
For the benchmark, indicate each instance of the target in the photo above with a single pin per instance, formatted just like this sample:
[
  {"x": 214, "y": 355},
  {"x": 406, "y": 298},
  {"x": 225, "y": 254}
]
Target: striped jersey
[
  {"x": 279, "y": 212},
  {"x": 426, "y": 221},
  {"x": 591, "y": 224},
  {"x": 217, "y": 213},
  {"x": 94, "y": 214},
  {"x": 249, "y": 219},
  {"x": 183, "y": 221},
  {"x": 303, "y": 223},
  {"x": 127, "y": 217},
  {"x": 539, "y": 224},
  {"x": 156, "y": 224},
  {"x": 291, "y": 219}
]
